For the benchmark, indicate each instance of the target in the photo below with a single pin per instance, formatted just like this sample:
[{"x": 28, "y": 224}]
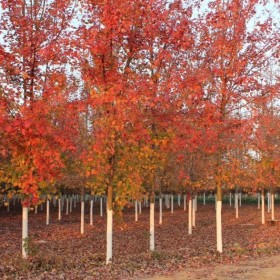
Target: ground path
[{"x": 267, "y": 268}]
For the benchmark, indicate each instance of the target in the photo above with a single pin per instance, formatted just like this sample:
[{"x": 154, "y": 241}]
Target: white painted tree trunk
[
  {"x": 195, "y": 199},
  {"x": 263, "y": 211},
  {"x": 24, "y": 231},
  {"x": 236, "y": 206},
  {"x": 109, "y": 233},
  {"x": 82, "y": 217},
  {"x": 172, "y": 204},
  {"x": 204, "y": 202},
  {"x": 272, "y": 207},
  {"x": 190, "y": 216},
  {"x": 160, "y": 210},
  {"x": 91, "y": 212},
  {"x": 152, "y": 226},
  {"x": 230, "y": 199},
  {"x": 219, "y": 226},
  {"x": 179, "y": 200},
  {"x": 259, "y": 200},
  {"x": 193, "y": 213},
  {"x": 136, "y": 211},
  {"x": 140, "y": 207},
  {"x": 48, "y": 212},
  {"x": 185, "y": 202},
  {"x": 268, "y": 202},
  {"x": 67, "y": 206},
  {"x": 101, "y": 207},
  {"x": 36, "y": 209},
  {"x": 59, "y": 209},
  {"x": 240, "y": 199}
]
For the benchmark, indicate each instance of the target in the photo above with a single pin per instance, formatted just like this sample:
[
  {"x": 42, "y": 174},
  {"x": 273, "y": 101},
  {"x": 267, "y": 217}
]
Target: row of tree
[{"x": 126, "y": 98}]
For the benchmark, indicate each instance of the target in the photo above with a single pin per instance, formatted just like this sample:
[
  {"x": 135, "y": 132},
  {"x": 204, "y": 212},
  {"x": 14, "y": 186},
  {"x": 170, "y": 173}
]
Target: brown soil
[
  {"x": 62, "y": 253},
  {"x": 263, "y": 269}
]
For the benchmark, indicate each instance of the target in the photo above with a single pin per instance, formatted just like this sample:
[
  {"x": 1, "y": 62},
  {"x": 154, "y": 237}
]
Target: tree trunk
[
  {"x": 203, "y": 198},
  {"x": 24, "y": 232},
  {"x": 70, "y": 206},
  {"x": 152, "y": 223},
  {"x": 219, "y": 219},
  {"x": 268, "y": 202},
  {"x": 236, "y": 206},
  {"x": 172, "y": 204},
  {"x": 263, "y": 212},
  {"x": 259, "y": 201},
  {"x": 83, "y": 211},
  {"x": 91, "y": 212},
  {"x": 136, "y": 211},
  {"x": 272, "y": 206},
  {"x": 59, "y": 209},
  {"x": 160, "y": 210},
  {"x": 101, "y": 206},
  {"x": 109, "y": 233},
  {"x": 67, "y": 206},
  {"x": 193, "y": 212},
  {"x": 185, "y": 202},
  {"x": 190, "y": 214},
  {"x": 48, "y": 212}
]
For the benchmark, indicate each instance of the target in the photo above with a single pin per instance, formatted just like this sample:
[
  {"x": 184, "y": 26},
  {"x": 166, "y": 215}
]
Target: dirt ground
[
  {"x": 266, "y": 268},
  {"x": 250, "y": 250}
]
